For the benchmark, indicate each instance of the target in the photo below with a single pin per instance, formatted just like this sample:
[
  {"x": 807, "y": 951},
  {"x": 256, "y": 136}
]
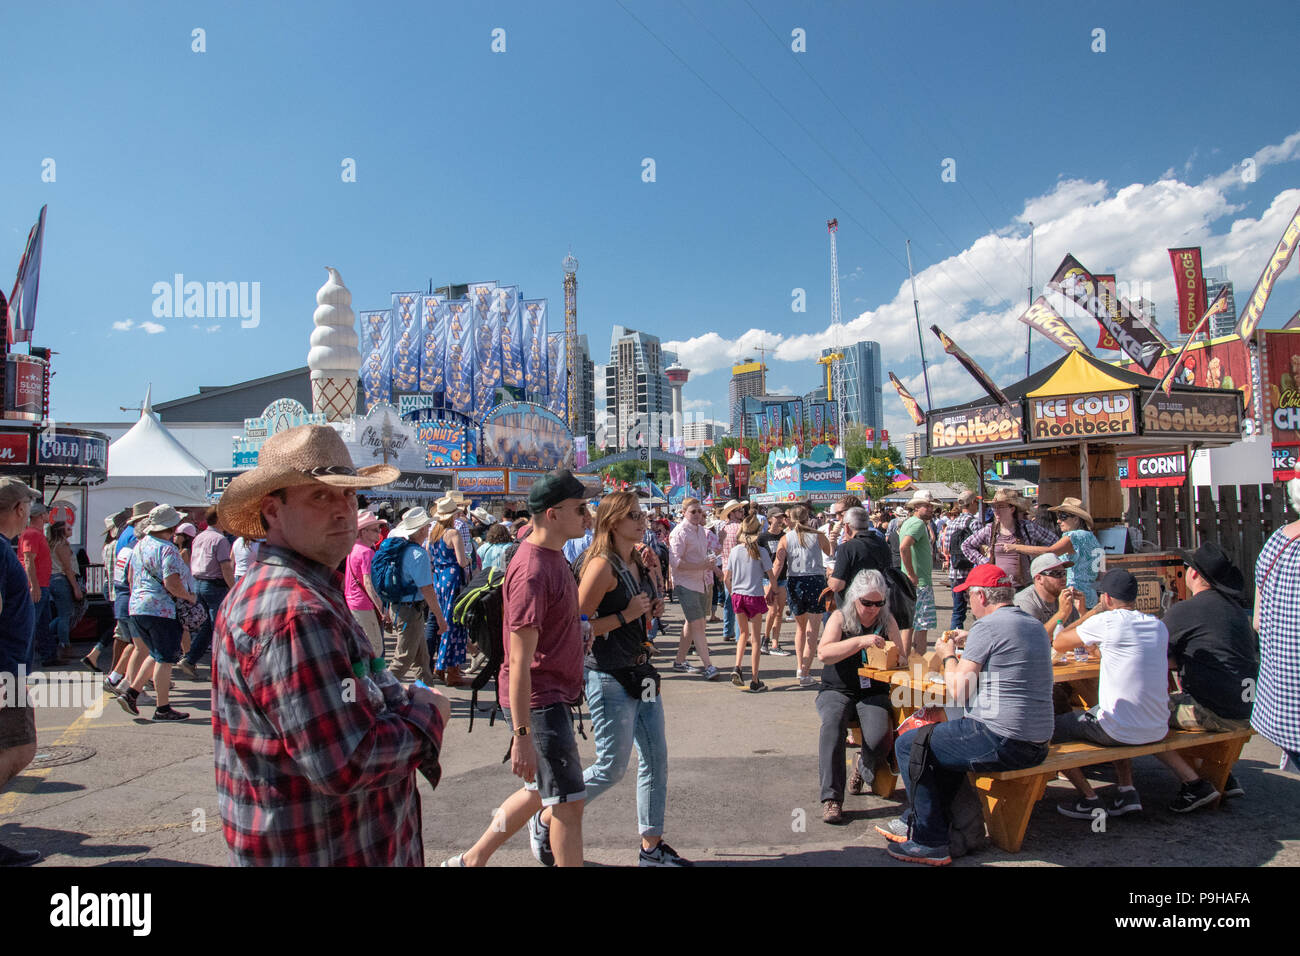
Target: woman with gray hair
[
  {"x": 1276, "y": 714},
  {"x": 862, "y": 621}
]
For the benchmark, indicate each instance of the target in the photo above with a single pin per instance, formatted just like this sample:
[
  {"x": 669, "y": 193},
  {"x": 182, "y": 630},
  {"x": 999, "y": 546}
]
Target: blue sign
[{"x": 76, "y": 451}]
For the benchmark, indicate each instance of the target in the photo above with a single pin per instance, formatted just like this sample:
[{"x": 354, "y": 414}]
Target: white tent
[{"x": 146, "y": 463}]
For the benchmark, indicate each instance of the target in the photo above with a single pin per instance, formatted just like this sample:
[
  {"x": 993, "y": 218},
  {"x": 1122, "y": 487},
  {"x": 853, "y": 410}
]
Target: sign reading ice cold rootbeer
[
  {"x": 982, "y": 427},
  {"x": 1070, "y": 417}
]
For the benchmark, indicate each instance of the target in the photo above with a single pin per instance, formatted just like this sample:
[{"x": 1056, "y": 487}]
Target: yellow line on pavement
[{"x": 25, "y": 783}]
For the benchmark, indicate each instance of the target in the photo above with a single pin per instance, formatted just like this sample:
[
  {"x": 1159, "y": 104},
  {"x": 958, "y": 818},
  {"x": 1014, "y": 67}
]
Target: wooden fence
[{"x": 1239, "y": 519}]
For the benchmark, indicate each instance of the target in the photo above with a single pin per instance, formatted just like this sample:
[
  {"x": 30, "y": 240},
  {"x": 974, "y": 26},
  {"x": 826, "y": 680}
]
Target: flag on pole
[
  {"x": 912, "y": 405},
  {"x": 1041, "y": 317},
  {"x": 971, "y": 366},
  {"x": 1131, "y": 331},
  {"x": 1218, "y": 307},
  {"x": 1254, "y": 309},
  {"x": 22, "y": 301}
]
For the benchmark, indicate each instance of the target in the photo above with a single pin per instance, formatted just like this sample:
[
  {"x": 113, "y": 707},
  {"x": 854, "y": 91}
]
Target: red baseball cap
[{"x": 986, "y": 576}]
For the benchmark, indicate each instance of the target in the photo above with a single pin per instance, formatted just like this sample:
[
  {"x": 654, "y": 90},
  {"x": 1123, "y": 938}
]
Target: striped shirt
[
  {"x": 313, "y": 766},
  {"x": 1277, "y": 693}
]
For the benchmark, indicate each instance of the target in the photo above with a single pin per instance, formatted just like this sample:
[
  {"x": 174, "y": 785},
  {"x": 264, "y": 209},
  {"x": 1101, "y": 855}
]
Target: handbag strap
[{"x": 1276, "y": 558}]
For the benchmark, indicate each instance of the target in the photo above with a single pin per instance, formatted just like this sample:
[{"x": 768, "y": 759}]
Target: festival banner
[
  {"x": 534, "y": 346},
  {"x": 764, "y": 432},
  {"x": 1190, "y": 286},
  {"x": 434, "y": 349},
  {"x": 796, "y": 409},
  {"x": 580, "y": 458},
  {"x": 1282, "y": 359},
  {"x": 1075, "y": 282},
  {"x": 773, "y": 413},
  {"x": 833, "y": 423},
  {"x": 1277, "y": 264},
  {"x": 506, "y": 305},
  {"x": 526, "y": 435},
  {"x": 1190, "y": 415},
  {"x": 1110, "y": 301},
  {"x": 676, "y": 471},
  {"x": 911, "y": 404},
  {"x": 460, "y": 357},
  {"x": 377, "y": 369},
  {"x": 22, "y": 299},
  {"x": 1042, "y": 318},
  {"x": 1220, "y": 306},
  {"x": 406, "y": 351},
  {"x": 818, "y": 424},
  {"x": 972, "y": 366},
  {"x": 986, "y": 426},
  {"x": 444, "y": 443},
  {"x": 558, "y": 374},
  {"x": 1104, "y": 415},
  {"x": 487, "y": 347}
]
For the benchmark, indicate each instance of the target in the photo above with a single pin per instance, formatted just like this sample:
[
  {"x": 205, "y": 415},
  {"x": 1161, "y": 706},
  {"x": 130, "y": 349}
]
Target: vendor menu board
[
  {"x": 1075, "y": 417},
  {"x": 1193, "y": 416},
  {"x": 987, "y": 426}
]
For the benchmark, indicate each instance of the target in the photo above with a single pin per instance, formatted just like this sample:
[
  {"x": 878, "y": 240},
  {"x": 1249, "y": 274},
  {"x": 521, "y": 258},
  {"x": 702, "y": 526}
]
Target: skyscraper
[
  {"x": 1216, "y": 277},
  {"x": 637, "y": 393},
  {"x": 586, "y": 394},
  {"x": 862, "y": 382},
  {"x": 749, "y": 378}
]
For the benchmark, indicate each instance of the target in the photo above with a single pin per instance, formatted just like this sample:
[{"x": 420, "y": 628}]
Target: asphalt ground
[{"x": 742, "y": 790}]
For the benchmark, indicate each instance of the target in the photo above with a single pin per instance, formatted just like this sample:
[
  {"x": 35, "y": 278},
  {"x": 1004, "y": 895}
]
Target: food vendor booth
[{"x": 1082, "y": 418}]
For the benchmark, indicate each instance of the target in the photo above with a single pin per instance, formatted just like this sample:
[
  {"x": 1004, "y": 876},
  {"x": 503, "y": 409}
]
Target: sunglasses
[
  {"x": 637, "y": 516},
  {"x": 865, "y": 603},
  {"x": 1053, "y": 574}
]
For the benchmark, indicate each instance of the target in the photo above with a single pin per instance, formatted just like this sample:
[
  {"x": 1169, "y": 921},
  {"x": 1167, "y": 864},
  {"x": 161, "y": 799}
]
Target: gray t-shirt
[
  {"x": 1029, "y": 601},
  {"x": 748, "y": 576},
  {"x": 1015, "y": 680}
]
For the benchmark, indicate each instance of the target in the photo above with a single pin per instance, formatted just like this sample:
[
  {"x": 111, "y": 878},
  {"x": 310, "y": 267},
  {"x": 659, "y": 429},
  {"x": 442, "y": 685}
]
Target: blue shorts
[
  {"x": 805, "y": 592},
  {"x": 162, "y": 635},
  {"x": 127, "y": 630}
]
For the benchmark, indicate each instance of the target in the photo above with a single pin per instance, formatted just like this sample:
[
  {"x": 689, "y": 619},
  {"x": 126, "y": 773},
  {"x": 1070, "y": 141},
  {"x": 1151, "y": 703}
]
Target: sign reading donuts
[{"x": 1103, "y": 415}]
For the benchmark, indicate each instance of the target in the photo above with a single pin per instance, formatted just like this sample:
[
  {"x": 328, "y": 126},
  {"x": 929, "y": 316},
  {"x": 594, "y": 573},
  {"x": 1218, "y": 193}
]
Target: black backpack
[
  {"x": 479, "y": 610},
  {"x": 959, "y": 560},
  {"x": 965, "y": 818}
]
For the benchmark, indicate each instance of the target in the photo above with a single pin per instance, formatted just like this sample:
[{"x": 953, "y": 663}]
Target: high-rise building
[
  {"x": 637, "y": 394},
  {"x": 1216, "y": 277},
  {"x": 748, "y": 379},
  {"x": 863, "y": 405},
  {"x": 586, "y": 393}
]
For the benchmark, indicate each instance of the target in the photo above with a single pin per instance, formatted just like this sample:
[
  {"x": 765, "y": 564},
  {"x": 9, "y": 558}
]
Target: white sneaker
[{"x": 455, "y": 860}]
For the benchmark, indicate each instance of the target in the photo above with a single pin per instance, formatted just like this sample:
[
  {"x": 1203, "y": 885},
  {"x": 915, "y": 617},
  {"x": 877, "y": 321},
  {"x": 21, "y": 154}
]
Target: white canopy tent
[{"x": 146, "y": 463}]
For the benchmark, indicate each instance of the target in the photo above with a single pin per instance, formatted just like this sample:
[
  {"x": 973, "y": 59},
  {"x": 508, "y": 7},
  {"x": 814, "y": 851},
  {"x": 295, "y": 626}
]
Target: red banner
[{"x": 1190, "y": 286}]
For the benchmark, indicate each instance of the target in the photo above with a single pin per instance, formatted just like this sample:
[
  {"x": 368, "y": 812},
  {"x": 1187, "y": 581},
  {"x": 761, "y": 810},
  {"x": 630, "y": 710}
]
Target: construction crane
[{"x": 834, "y": 362}]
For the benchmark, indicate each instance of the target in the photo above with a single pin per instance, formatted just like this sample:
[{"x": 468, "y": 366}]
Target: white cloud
[
  {"x": 153, "y": 328},
  {"x": 124, "y": 326},
  {"x": 213, "y": 328}
]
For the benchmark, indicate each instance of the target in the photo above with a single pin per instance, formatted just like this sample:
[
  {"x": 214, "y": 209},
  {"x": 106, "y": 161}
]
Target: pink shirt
[
  {"x": 209, "y": 549},
  {"x": 357, "y": 567},
  {"x": 690, "y": 543}
]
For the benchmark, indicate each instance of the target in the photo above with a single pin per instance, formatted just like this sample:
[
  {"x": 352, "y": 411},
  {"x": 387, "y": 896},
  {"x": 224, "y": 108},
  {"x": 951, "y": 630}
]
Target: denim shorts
[
  {"x": 805, "y": 593},
  {"x": 1083, "y": 725},
  {"x": 559, "y": 768},
  {"x": 695, "y": 604},
  {"x": 162, "y": 635}
]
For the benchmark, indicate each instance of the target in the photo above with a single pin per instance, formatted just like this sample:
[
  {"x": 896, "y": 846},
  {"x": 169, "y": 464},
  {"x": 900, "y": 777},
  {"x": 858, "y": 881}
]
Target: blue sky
[{"x": 471, "y": 164}]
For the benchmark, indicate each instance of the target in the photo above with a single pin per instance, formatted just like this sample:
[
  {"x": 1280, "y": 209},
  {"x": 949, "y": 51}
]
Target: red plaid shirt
[{"x": 313, "y": 768}]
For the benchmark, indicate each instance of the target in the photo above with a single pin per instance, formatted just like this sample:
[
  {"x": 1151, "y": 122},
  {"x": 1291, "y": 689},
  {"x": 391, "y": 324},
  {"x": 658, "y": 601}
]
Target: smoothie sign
[{"x": 1082, "y": 416}]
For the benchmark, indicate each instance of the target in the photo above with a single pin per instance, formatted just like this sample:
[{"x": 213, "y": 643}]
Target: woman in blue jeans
[{"x": 622, "y": 685}]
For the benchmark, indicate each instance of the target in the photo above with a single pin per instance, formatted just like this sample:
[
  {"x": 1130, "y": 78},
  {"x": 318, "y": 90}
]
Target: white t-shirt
[
  {"x": 1133, "y": 705},
  {"x": 244, "y": 553}
]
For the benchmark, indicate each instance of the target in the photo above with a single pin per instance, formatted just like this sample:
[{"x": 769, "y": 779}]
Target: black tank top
[
  {"x": 625, "y": 645},
  {"x": 843, "y": 675}
]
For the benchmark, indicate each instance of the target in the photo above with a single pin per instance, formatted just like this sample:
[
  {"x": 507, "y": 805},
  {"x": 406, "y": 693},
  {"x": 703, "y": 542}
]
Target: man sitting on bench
[
  {"x": 1132, "y": 693},
  {"x": 1214, "y": 650}
]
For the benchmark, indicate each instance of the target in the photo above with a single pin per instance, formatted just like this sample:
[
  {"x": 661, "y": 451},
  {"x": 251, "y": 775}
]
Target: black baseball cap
[
  {"x": 554, "y": 488},
  {"x": 1119, "y": 584}
]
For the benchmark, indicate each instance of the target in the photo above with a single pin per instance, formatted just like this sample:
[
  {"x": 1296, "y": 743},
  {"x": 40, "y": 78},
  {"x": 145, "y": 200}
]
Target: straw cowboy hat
[
  {"x": 446, "y": 507},
  {"x": 140, "y": 510},
  {"x": 1011, "y": 497},
  {"x": 411, "y": 522},
  {"x": 922, "y": 497},
  {"x": 1073, "y": 506},
  {"x": 306, "y": 455},
  {"x": 729, "y": 507},
  {"x": 483, "y": 515}
]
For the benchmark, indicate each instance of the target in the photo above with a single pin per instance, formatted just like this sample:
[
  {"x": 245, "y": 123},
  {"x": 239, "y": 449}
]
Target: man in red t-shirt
[
  {"x": 34, "y": 552},
  {"x": 543, "y": 671}
]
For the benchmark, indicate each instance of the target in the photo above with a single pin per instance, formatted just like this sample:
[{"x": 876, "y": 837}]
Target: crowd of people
[{"x": 318, "y": 605}]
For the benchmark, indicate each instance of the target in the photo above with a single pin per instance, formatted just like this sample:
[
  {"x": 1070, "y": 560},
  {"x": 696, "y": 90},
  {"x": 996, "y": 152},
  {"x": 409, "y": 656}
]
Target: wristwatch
[{"x": 522, "y": 731}]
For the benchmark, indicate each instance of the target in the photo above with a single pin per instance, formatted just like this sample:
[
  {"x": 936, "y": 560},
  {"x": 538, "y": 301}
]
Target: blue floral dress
[
  {"x": 446, "y": 584},
  {"x": 1087, "y": 563}
]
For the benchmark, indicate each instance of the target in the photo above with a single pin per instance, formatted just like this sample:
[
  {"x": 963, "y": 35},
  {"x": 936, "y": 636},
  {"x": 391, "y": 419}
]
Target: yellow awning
[{"x": 1078, "y": 376}]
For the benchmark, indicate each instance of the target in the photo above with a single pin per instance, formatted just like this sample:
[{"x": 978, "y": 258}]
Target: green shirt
[{"x": 921, "y": 549}]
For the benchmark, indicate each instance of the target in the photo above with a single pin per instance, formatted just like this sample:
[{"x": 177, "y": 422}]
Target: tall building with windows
[
  {"x": 586, "y": 393},
  {"x": 748, "y": 379},
  {"x": 637, "y": 392},
  {"x": 1216, "y": 277},
  {"x": 863, "y": 404}
]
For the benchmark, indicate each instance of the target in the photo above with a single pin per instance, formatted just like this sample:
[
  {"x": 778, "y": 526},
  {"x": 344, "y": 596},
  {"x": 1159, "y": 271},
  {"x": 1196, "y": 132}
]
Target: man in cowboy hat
[
  {"x": 1213, "y": 648},
  {"x": 916, "y": 555},
  {"x": 416, "y": 575},
  {"x": 315, "y": 765}
]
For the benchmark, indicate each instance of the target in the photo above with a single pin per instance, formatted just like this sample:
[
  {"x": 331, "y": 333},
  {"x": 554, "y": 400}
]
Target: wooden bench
[
  {"x": 885, "y": 780},
  {"x": 1008, "y": 797}
]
